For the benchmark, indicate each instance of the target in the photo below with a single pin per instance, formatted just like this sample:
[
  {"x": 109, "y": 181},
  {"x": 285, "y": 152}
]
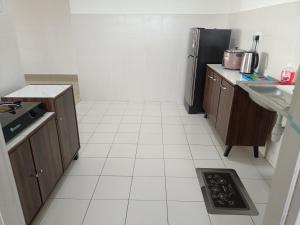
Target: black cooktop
[{"x": 15, "y": 117}]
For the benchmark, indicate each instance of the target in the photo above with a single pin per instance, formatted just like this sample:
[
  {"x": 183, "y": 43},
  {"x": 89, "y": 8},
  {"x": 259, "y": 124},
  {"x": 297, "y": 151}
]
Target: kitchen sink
[
  {"x": 267, "y": 90},
  {"x": 270, "y": 96}
]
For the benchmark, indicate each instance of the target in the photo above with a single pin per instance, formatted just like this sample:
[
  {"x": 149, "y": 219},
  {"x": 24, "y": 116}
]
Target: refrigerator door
[
  {"x": 190, "y": 79},
  {"x": 206, "y": 46},
  {"x": 194, "y": 42},
  {"x": 192, "y": 65}
]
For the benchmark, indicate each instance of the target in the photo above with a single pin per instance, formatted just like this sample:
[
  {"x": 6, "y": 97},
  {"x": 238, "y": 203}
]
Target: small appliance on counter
[
  {"x": 16, "y": 116},
  {"x": 250, "y": 59},
  {"x": 287, "y": 75},
  {"x": 233, "y": 58}
]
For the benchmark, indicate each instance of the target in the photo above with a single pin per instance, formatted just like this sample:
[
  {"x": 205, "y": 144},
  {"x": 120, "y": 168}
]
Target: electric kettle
[{"x": 249, "y": 62}]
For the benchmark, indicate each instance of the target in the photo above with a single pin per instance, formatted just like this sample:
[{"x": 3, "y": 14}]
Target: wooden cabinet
[
  {"x": 208, "y": 91},
  {"x": 63, "y": 105},
  {"x": 26, "y": 180},
  {"x": 236, "y": 118},
  {"x": 67, "y": 127},
  {"x": 46, "y": 154},
  {"x": 211, "y": 95},
  {"x": 224, "y": 108},
  {"x": 215, "y": 96},
  {"x": 37, "y": 167}
]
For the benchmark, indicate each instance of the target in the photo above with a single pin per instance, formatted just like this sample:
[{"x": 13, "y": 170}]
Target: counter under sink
[
  {"x": 273, "y": 97},
  {"x": 270, "y": 96}
]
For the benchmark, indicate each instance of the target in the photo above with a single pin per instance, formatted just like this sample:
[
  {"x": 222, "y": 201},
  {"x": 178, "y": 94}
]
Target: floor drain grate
[{"x": 224, "y": 192}]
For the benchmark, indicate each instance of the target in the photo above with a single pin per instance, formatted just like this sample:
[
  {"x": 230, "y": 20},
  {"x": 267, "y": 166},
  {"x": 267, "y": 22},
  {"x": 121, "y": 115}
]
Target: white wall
[
  {"x": 44, "y": 36},
  {"x": 280, "y": 43},
  {"x": 11, "y": 76},
  {"x": 280, "y": 34},
  {"x": 150, "y": 7},
  {"x": 135, "y": 57}
]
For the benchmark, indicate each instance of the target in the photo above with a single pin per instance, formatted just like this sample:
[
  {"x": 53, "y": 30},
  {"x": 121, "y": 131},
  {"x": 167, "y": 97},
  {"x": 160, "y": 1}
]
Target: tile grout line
[
  {"x": 196, "y": 174},
  {"x": 90, "y": 201},
  {"x": 165, "y": 177},
  {"x": 130, "y": 189},
  {"x": 214, "y": 144}
]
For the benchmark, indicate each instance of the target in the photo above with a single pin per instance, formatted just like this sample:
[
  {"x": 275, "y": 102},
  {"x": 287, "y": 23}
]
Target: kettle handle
[{"x": 256, "y": 60}]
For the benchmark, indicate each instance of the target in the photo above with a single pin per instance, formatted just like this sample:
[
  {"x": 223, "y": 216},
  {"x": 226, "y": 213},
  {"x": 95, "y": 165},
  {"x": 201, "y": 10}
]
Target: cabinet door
[
  {"x": 47, "y": 158},
  {"x": 208, "y": 90},
  {"x": 67, "y": 126},
  {"x": 215, "y": 95},
  {"x": 224, "y": 111},
  {"x": 26, "y": 180}
]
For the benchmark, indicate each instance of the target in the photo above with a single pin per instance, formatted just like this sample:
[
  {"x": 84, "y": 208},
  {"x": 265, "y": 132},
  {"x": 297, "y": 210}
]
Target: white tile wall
[
  {"x": 149, "y": 7},
  {"x": 135, "y": 57}
]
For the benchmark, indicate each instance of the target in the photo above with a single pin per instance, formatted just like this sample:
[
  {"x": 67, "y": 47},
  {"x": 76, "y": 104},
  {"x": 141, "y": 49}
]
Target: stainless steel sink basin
[
  {"x": 267, "y": 90},
  {"x": 269, "y": 96}
]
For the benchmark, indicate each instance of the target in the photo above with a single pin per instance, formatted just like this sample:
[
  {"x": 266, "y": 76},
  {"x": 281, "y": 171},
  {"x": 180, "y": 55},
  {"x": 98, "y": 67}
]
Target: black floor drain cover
[{"x": 224, "y": 192}]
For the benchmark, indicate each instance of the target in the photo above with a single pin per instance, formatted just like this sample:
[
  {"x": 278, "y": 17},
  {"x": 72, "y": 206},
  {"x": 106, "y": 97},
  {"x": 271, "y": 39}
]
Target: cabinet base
[
  {"x": 255, "y": 151},
  {"x": 227, "y": 151},
  {"x": 76, "y": 156}
]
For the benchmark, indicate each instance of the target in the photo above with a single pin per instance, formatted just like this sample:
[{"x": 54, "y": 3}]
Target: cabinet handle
[
  {"x": 41, "y": 171},
  {"x": 210, "y": 77},
  {"x": 224, "y": 88},
  {"x": 34, "y": 175}
]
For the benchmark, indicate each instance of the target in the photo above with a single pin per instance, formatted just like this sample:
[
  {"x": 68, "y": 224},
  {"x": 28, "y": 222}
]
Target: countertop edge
[
  {"x": 211, "y": 66},
  {"x": 18, "y": 93}
]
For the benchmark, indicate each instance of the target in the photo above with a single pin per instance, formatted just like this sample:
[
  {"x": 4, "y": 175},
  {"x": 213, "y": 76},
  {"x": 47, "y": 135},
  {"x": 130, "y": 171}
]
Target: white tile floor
[{"x": 137, "y": 167}]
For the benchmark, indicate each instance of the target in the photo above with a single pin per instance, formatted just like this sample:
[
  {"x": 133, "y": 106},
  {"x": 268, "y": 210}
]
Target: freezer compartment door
[
  {"x": 190, "y": 79},
  {"x": 194, "y": 42}
]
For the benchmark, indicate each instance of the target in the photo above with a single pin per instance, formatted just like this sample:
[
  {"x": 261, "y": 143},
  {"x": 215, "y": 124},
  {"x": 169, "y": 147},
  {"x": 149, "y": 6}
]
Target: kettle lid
[{"x": 235, "y": 50}]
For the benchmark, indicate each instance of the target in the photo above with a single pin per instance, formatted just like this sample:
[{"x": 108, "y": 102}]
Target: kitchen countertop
[
  {"x": 39, "y": 91},
  {"x": 233, "y": 76},
  {"x": 26, "y": 132}
]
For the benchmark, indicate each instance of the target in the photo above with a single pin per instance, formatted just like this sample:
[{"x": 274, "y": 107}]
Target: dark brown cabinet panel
[
  {"x": 26, "y": 180},
  {"x": 208, "y": 90},
  {"x": 46, "y": 154},
  {"x": 224, "y": 110},
  {"x": 211, "y": 95},
  {"x": 250, "y": 124},
  {"x": 236, "y": 118},
  {"x": 67, "y": 126},
  {"x": 215, "y": 96}
]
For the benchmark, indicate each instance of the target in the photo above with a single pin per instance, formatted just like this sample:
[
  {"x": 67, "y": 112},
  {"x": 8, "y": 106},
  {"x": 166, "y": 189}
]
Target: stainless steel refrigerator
[{"x": 206, "y": 46}]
